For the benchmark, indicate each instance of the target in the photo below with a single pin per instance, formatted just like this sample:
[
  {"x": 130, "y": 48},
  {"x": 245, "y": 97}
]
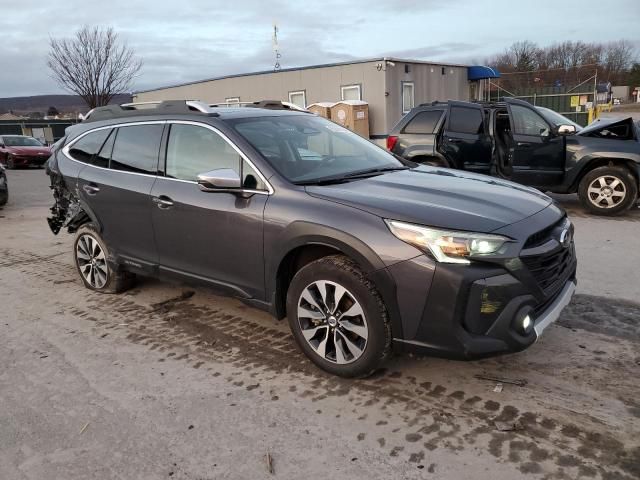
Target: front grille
[
  {"x": 542, "y": 236},
  {"x": 551, "y": 270}
]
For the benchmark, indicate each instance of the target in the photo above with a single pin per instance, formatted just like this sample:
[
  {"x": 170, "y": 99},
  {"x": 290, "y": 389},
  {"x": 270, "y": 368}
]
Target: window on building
[
  {"x": 88, "y": 146},
  {"x": 423, "y": 122},
  {"x": 136, "y": 149},
  {"x": 299, "y": 98},
  {"x": 466, "y": 120},
  {"x": 407, "y": 96},
  {"x": 351, "y": 92}
]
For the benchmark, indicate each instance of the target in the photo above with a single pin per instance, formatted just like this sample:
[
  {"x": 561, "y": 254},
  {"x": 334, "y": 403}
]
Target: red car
[{"x": 22, "y": 151}]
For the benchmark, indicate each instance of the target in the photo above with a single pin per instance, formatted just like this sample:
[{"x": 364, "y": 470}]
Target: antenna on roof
[{"x": 276, "y": 49}]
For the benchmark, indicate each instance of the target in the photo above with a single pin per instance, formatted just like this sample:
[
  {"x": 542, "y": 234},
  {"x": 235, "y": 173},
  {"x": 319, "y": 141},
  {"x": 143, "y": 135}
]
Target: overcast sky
[{"x": 185, "y": 40}]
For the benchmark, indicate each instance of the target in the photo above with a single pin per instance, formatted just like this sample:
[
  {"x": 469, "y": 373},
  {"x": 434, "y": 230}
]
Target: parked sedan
[
  {"x": 22, "y": 151},
  {"x": 4, "y": 188}
]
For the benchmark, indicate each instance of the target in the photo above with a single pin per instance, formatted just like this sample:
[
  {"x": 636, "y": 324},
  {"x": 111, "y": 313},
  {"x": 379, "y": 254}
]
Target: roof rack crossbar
[
  {"x": 149, "y": 108},
  {"x": 268, "y": 104}
]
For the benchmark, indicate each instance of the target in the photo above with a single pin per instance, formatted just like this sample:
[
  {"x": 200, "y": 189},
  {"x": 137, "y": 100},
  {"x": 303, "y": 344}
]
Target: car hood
[
  {"x": 438, "y": 197},
  {"x": 29, "y": 150},
  {"x": 603, "y": 123}
]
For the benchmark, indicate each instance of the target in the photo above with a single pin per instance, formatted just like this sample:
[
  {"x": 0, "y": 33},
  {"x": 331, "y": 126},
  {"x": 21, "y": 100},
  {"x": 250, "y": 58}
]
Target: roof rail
[
  {"x": 433, "y": 104},
  {"x": 268, "y": 104},
  {"x": 148, "y": 108}
]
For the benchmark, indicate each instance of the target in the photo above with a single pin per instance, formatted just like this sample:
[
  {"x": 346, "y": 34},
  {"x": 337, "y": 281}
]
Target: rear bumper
[{"x": 36, "y": 161}]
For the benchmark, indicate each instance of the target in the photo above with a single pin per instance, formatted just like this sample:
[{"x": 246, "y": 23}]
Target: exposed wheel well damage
[{"x": 290, "y": 265}]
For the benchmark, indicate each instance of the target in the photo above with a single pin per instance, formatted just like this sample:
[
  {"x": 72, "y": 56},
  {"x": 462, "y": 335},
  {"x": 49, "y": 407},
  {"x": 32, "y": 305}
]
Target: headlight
[{"x": 447, "y": 246}]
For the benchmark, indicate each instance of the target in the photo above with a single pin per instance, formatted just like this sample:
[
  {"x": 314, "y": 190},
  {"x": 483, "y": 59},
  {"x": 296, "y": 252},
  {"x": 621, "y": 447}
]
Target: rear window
[
  {"x": 85, "y": 149},
  {"x": 466, "y": 120},
  {"x": 136, "y": 149},
  {"x": 423, "y": 122}
]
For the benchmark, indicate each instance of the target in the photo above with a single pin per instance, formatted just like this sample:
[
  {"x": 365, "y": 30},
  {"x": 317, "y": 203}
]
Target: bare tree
[{"x": 93, "y": 64}]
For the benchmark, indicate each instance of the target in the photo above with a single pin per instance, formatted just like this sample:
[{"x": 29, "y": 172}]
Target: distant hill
[{"x": 41, "y": 103}]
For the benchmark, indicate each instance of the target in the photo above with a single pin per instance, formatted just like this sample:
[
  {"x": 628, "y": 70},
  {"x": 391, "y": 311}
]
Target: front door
[
  {"x": 465, "y": 141},
  {"x": 213, "y": 236},
  {"x": 537, "y": 155},
  {"x": 116, "y": 185}
]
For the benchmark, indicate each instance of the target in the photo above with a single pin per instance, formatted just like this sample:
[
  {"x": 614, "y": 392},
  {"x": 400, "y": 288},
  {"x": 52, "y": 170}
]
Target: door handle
[
  {"x": 162, "y": 202},
  {"x": 91, "y": 189},
  {"x": 454, "y": 140},
  {"x": 524, "y": 144}
]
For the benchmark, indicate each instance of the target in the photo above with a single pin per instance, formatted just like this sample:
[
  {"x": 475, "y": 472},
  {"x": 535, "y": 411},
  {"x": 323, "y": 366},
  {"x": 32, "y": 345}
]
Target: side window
[
  {"x": 136, "y": 148},
  {"x": 102, "y": 158},
  {"x": 193, "y": 150},
  {"x": 466, "y": 120},
  {"x": 423, "y": 122},
  {"x": 528, "y": 122},
  {"x": 250, "y": 178},
  {"x": 88, "y": 146}
]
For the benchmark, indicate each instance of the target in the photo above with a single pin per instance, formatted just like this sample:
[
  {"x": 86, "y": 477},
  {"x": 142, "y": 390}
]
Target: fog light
[{"x": 523, "y": 323}]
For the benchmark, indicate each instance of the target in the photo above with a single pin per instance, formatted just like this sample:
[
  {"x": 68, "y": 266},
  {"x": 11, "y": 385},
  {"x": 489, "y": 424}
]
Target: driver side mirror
[
  {"x": 566, "y": 129},
  {"x": 218, "y": 180}
]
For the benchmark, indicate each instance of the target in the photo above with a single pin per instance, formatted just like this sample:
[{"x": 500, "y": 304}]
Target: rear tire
[
  {"x": 338, "y": 318},
  {"x": 608, "y": 190},
  {"x": 91, "y": 256}
]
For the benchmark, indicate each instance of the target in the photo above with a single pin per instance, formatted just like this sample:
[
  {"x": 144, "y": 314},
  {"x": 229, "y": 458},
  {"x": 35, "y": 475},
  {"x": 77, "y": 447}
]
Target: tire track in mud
[{"x": 411, "y": 417}]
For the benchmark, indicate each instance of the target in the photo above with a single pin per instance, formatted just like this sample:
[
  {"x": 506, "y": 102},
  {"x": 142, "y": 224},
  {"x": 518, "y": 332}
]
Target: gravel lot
[{"x": 151, "y": 384}]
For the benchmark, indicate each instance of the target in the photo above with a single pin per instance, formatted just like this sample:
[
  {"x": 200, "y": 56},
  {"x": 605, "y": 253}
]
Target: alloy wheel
[
  {"x": 92, "y": 262},
  {"x": 606, "y": 191},
  {"x": 332, "y": 322}
]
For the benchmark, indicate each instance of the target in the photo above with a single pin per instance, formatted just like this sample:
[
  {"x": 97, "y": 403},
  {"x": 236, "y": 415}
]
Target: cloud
[{"x": 190, "y": 40}]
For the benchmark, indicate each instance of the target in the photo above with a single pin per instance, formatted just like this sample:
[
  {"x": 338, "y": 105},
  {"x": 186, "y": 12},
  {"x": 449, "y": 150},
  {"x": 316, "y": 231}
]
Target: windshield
[
  {"x": 21, "y": 142},
  {"x": 556, "y": 119},
  {"x": 306, "y": 148}
]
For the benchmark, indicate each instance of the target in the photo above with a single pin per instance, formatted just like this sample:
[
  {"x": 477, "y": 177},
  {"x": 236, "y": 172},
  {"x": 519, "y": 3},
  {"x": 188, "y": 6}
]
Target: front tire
[
  {"x": 338, "y": 318},
  {"x": 91, "y": 257},
  {"x": 11, "y": 165},
  {"x": 608, "y": 190}
]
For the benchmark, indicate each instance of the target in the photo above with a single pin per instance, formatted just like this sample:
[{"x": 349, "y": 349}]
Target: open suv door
[{"x": 536, "y": 154}]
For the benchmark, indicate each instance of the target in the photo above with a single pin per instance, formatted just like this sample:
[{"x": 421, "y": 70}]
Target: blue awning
[{"x": 478, "y": 72}]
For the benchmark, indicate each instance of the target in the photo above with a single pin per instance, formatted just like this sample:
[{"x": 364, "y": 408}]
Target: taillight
[{"x": 391, "y": 142}]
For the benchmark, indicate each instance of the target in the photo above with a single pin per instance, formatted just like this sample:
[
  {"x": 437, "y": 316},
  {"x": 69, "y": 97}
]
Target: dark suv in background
[
  {"x": 530, "y": 145},
  {"x": 296, "y": 215}
]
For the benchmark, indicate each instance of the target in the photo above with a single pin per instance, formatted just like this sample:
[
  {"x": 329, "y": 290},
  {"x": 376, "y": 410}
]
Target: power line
[{"x": 552, "y": 69}]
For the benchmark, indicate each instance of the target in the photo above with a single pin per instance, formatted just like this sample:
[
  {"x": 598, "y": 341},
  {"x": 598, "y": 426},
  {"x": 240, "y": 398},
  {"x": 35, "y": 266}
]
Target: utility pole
[{"x": 276, "y": 48}]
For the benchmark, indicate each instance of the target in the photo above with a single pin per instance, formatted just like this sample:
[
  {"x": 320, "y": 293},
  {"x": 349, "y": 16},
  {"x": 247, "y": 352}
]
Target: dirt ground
[{"x": 159, "y": 383}]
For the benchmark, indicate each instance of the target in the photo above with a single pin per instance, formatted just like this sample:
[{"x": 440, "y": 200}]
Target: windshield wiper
[
  {"x": 373, "y": 171},
  {"x": 347, "y": 177}
]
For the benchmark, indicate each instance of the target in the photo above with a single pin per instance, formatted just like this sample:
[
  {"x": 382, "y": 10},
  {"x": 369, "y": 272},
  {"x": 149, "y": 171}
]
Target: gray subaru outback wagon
[{"x": 362, "y": 251}]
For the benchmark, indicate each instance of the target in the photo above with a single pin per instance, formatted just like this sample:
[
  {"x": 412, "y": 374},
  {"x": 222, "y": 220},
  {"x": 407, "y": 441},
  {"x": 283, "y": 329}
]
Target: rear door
[
  {"x": 117, "y": 188},
  {"x": 465, "y": 142},
  {"x": 214, "y": 236},
  {"x": 537, "y": 156}
]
